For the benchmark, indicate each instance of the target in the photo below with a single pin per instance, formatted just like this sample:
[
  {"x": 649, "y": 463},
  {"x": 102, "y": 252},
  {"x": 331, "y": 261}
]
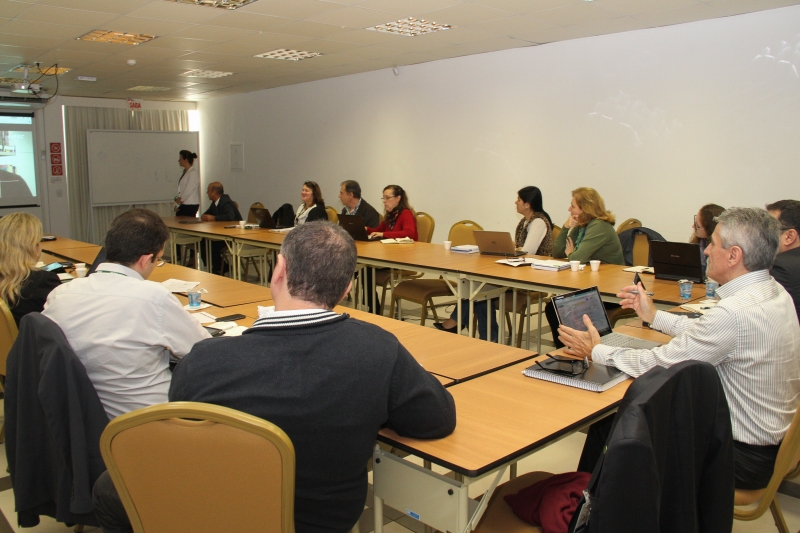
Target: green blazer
[{"x": 600, "y": 241}]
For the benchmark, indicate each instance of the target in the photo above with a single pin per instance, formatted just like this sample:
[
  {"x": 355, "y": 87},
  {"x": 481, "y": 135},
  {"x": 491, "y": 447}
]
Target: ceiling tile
[
  {"x": 209, "y": 57},
  {"x": 551, "y": 35},
  {"x": 737, "y": 7},
  {"x": 309, "y": 29},
  {"x": 363, "y": 37},
  {"x": 182, "y": 13},
  {"x": 373, "y": 52},
  {"x": 292, "y": 9},
  {"x": 635, "y": 7},
  {"x": 353, "y": 17},
  {"x": 39, "y": 29},
  {"x": 571, "y": 15},
  {"x": 408, "y": 8},
  {"x": 513, "y": 26},
  {"x": 247, "y": 21},
  {"x": 465, "y": 14},
  {"x": 185, "y": 64},
  {"x": 326, "y": 47},
  {"x": 615, "y": 25},
  {"x": 211, "y": 33},
  {"x": 76, "y": 17},
  {"x": 12, "y": 9},
  {"x": 159, "y": 28},
  {"x": 179, "y": 44},
  {"x": 519, "y": 7},
  {"x": 105, "y": 6},
  {"x": 678, "y": 16},
  {"x": 14, "y": 53},
  {"x": 29, "y": 41}
]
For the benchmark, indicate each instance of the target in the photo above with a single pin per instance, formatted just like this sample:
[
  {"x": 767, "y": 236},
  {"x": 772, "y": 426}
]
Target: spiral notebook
[{"x": 596, "y": 378}]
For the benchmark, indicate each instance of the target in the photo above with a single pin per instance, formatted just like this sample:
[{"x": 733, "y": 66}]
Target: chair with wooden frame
[
  {"x": 629, "y": 224},
  {"x": 187, "y": 466},
  {"x": 8, "y": 334},
  {"x": 333, "y": 215},
  {"x": 422, "y": 291},
  {"x": 556, "y": 231},
  {"x": 425, "y": 227},
  {"x": 641, "y": 250},
  {"x": 787, "y": 466}
]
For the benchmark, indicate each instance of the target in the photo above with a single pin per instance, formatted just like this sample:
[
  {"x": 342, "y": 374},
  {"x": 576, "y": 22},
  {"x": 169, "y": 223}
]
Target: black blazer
[
  {"x": 786, "y": 271},
  {"x": 367, "y": 213},
  {"x": 33, "y": 293},
  {"x": 317, "y": 213},
  {"x": 226, "y": 210},
  {"x": 54, "y": 420},
  {"x": 668, "y": 465}
]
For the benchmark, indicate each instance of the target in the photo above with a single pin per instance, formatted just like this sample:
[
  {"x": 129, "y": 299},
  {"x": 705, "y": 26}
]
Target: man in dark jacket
[
  {"x": 221, "y": 208},
  {"x": 350, "y": 195},
  {"x": 329, "y": 381},
  {"x": 786, "y": 269}
]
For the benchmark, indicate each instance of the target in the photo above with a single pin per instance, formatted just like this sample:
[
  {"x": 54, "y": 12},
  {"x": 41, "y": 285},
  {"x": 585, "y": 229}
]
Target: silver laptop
[
  {"x": 496, "y": 243},
  {"x": 571, "y": 307}
]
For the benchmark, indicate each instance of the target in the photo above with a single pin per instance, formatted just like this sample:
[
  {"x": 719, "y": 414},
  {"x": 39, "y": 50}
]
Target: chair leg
[
  {"x": 777, "y": 515},
  {"x": 392, "y": 306},
  {"x": 423, "y": 314}
]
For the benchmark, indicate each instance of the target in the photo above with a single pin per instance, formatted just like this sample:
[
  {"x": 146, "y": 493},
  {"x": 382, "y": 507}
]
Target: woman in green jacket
[{"x": 588, "y": 234}]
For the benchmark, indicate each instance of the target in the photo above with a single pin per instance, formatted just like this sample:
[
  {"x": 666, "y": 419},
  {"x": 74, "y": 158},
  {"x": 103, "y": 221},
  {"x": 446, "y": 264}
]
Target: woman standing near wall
[{"x": 187, "y": 199}]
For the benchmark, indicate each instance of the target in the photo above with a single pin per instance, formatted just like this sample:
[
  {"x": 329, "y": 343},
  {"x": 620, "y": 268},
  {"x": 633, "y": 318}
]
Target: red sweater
[{"x": 406, "y": 226}]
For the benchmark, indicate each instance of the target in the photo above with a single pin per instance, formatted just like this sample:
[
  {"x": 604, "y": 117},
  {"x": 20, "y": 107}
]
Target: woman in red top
[{"x": 399, "y": 220}]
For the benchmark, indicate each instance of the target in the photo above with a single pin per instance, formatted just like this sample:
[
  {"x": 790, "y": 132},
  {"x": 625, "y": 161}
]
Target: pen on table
[{"x": 637, "y": 292}]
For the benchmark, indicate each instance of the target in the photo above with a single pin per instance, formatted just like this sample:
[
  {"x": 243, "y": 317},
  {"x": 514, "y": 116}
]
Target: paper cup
[
  {"x": 242, "y": 223},
  {"x": 447, "y": 244},
  {"x": 80, "y": 272},
  {"x": 575, "y": 265},
  {"x": 595, "y": 263}
]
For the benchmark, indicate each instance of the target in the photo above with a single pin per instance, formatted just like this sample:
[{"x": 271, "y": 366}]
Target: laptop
[
  {"x": 262, "y": 218},
  {"x": 354, "y": 225},
  {"x": 496, "y": 243},
  {"x": 676, "y": 260},
  {"x": 571, "y": 307}
]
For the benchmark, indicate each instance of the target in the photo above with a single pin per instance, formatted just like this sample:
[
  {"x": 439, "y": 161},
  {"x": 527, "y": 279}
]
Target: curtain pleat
[{"x": 79, "y": 119}]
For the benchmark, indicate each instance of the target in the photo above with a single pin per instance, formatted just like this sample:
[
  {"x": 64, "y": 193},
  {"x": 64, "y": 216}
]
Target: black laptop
[
  {"x": 676, "y": 260},
  {"x": 262, "y": 218},
  {"x": 571, "y": 307},
  {"x": 354, "y": 225}
]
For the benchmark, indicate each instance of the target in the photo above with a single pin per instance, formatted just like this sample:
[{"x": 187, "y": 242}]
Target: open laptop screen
[{"x": 571, "y": 307}]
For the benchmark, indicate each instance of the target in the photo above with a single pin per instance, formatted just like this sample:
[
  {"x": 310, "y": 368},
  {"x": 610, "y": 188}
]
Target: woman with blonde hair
[
  {"x": 589, "y": 231},
  {"x": 23, "y": 287}
]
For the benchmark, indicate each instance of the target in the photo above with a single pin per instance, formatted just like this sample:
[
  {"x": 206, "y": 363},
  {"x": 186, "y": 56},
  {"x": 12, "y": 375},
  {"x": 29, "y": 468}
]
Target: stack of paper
[
  {"x": 515, "y": 262},
  {"x": 404, "y": 240},
  {"x": 177, "y": 285},
  {"x": 640, "y": 269},
  {"x": 465, "y": 249},
  {"x": 549, "y": 264}
]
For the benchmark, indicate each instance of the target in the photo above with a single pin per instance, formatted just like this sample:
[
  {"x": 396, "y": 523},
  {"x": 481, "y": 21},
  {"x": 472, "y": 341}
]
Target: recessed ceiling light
[
  {"x": 198, "y": 73},
  {"x": 288, "y": 55},
  {"x": 149, "y": 88},
  {"x": 224, "y": 4},
  {"x": 48, "y": 70},
  {"x": 410, "y": 27},
  {"x": 116, "y": 37}
]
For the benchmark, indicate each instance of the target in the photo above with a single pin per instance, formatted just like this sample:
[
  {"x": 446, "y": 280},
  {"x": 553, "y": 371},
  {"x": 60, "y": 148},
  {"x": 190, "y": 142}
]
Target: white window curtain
[{"x": 79, "y": 119}]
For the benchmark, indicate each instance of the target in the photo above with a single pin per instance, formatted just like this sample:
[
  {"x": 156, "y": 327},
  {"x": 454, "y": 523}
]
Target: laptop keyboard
[{"x": 619, "y": 340}]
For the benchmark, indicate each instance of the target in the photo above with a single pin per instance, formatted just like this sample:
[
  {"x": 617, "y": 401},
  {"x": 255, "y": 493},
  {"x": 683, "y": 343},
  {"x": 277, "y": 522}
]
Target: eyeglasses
[
  {"x": 568, "y": 367},
  {"x": 384, "y": 198}
]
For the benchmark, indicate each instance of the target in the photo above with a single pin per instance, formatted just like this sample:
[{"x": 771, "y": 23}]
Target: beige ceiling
[{"x": 200, "y": 37}]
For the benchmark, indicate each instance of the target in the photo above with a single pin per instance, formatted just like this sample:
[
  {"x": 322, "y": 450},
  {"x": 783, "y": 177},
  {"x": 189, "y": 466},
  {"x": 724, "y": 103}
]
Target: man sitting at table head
[
  {"x": 752, "y": 337},
  {"x": 221, "y": 208},
  {"x": 786, "y": 269},
  {"x": 328, "y": 380},
  {"x": 122, "y": 327},
  {"x": 350, "y": 195}
]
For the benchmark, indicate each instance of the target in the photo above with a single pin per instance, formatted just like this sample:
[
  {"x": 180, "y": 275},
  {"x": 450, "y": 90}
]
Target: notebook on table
[
  {"x": 571, "y": 307},
  {"x": 676, "y": 260},
  {"x": 496, "y": 243},
  {"x": 592, "y": 377}
]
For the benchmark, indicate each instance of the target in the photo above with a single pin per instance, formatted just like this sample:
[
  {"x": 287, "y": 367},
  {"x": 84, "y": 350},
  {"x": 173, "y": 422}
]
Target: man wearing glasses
[
  {"x": 786, "y": 269},
  {"x": 122, "y": 327}
]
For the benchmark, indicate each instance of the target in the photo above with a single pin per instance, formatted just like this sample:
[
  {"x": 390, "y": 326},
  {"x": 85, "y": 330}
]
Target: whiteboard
[{"x": 134, "y": 166}]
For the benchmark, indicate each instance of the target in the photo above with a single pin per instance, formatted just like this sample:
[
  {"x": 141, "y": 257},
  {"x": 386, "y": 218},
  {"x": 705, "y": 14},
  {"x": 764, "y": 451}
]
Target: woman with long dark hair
[
  {"x": 313, "y": 206},
  {"x": 187, "y": 199},
  {"x": 399, "y": 220}
]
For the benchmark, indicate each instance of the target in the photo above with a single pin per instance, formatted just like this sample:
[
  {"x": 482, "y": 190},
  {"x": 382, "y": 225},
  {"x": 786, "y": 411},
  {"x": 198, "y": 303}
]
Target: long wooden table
[
  {"x": 85, "y": 254},
  {"x": 62, "y": 243}
]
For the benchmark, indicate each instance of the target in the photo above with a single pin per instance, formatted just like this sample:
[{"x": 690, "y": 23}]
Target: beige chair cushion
[{"x": 499, "y": 518}]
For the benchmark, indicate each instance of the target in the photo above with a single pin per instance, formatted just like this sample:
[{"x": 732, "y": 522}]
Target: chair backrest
[
  {"x": 641, "y": 250},
  {"x": 333, "y": 215},
  {"x": 463, "y": 232},
  {"x": 251, "y": 218},
  {"x": 182, "y": 466},
  {"x": 556, "y": 231},
  {"x": 629, "y": 224},
  {"x": 8, "y": 334},
  {"x": 425, "y": 225},
  {"x": 786, "y": 464}
]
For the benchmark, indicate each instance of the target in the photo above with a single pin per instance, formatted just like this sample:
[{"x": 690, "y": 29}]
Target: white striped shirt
[{"x": 753, "y": 339}]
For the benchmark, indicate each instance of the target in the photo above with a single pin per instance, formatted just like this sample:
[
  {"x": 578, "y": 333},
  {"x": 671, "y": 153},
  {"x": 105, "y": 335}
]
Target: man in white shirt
[
  {"x": 752, "y": 338},
  {"x": 122, "y": 327}
]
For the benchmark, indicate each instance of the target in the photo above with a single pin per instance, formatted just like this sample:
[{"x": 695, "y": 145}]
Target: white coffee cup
[
  {"x": 595, "y": 263},
  {"x": 575, "y": 265},
  {"x": 80, "y": 265},
  {"x": 81, "y": 271},
  {"x": 242, "y": 223},
  {"x": 447, "y": 244}
]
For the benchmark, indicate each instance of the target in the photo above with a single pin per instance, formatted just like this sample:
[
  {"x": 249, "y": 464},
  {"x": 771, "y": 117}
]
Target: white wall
[{"x": 660, "y": 121}]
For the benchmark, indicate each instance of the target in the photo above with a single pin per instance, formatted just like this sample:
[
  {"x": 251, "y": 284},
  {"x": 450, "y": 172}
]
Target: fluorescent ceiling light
[
  {"x": 288, "y": 55},
  {"x": 149, "y": 88},
  {"x": 410, "y": 27},
  {"x": 224, "y": 4},
  {"x": 198, "y": 73},
  {"x": 9, "y": 104},
  {"x": 116, "y": 37}
]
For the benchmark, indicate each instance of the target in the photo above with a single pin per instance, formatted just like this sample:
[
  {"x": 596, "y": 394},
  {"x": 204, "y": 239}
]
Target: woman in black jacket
[{"x": 313, "y": 206}]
